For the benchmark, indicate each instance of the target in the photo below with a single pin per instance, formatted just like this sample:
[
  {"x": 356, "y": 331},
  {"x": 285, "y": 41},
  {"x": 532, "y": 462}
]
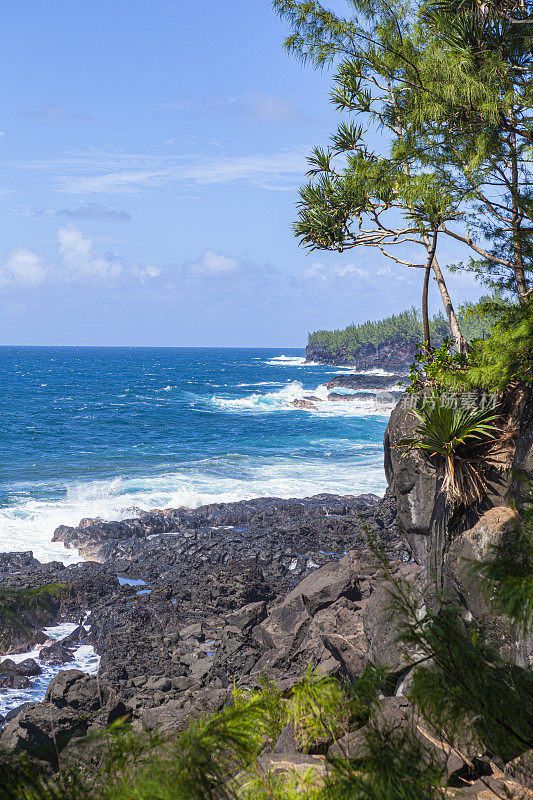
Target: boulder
[
  {"x": 495, "y": 788},
  {"x": 29, "y": 667},
  {"x": 15, "y": 711},
  {"x": 306, "y": 405},
  {"x": 78, "y": 636},
  {"x": 474, "y": 546},
  {"x": 322, "y": 588},
  {"x": 521, "y": 768},
  {"x": 398, "y": 714},
  {"x": 340, "y": 630},
  {"x": 14, "y": 682},
  {"x": 13, "y": 562},
  {"x": 24, "y": 612},
  {"x": 42, "y": 730},
  {"x": 523, "y": 457},
  {"x": 319, "y": 622},
  {"x": 75, "y": 689},
  {"x": 382, "y": 628},
  {"x": 414, "y": 482},
  {"x": 55, "y": 654},
  {"x": 286, "y": 758}
]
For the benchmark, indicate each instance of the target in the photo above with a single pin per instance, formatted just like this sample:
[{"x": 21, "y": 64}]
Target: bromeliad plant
[{"x": 455, "y": 436}]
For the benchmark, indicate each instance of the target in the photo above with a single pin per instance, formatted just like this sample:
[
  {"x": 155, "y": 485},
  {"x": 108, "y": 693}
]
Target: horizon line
[{"x": 165, "y": 346}]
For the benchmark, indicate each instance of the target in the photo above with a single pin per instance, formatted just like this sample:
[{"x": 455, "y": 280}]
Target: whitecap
[
  {"x": 29, "y": 523},
  {"x": 377, "y": 403},
  {"x": 287, "y": 361}
]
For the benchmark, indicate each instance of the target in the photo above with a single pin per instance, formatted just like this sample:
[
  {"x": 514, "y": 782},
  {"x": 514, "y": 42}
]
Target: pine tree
[
  {"x": 473, "y": 125},
  {"x": 357, "y": 196}
]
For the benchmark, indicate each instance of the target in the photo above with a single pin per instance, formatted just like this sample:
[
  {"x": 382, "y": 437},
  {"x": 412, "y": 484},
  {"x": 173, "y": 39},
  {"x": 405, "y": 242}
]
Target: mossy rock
[{"x": 24, "y": 611}]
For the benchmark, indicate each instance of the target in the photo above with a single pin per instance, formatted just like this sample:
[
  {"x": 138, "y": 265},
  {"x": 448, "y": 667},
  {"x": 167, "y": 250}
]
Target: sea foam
[{"x": 376, "y": 404}]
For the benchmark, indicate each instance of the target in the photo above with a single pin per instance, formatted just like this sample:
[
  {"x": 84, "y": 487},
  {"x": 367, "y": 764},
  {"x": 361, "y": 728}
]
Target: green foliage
[
  {"x": 500, "y": 352},
  {"x": 468, "y": 695},
  {"x": 219, "y": 757},
  {"x": 468, "y": 690},
  {"x": 396, "y": 766},
  {"x": 471, "y": 696},
  {"x": 405, "y": 327},
  {"x": 506, "y": 356},
  {"x": 20, "y": 609},
  {"x": 455, "y": 436},
  {"x": 431, "y": 369},
  {"x": 30, "y": 598},
  {"x": 323, "y": 708}
]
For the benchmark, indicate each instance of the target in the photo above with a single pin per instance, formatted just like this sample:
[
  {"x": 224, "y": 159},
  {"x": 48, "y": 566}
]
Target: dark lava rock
[
  {"x": 41, "y": 730},
  {"x": 357, "y": 381},
  {"x": 378, "y": 396},
  {"x": 73, "y": 688},
  {"x": 29, "y": 667},
  {"x": 287, "y": 539},
  {"x": 78, "y": 637},
  {"x": 23, "y": 613},
  {"x": 223, "y": 599},
  {"x": 17, "y": 710},
  {"x": 13, "y": 681},
  {"x": 13, "y": 562},
  {"x": 55, "y": 654},
  {"x": 414, "y": 481},
  {"x": 63, "y": 593}
]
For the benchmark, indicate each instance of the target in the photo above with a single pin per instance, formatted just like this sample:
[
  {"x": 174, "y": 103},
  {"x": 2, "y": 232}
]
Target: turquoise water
[{"x": 100, "y": 431}]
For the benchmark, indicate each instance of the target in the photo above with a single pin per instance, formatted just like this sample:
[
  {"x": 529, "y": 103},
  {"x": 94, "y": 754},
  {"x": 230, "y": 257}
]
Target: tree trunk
[
  {"x": 519, "y": 272},
  {"x": 457, "y": 336},
  {"x": 425, "y": 290},
  {"x": 425, "y": 311},
  {"x": 460, "y": 341}
]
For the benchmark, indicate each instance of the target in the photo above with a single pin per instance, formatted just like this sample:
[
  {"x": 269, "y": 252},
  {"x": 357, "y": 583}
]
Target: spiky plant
[{"x": 454, "y": 436}]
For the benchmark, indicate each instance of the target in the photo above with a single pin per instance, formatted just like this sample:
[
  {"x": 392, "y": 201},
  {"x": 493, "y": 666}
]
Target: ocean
[{"x": 102, "y": 432}]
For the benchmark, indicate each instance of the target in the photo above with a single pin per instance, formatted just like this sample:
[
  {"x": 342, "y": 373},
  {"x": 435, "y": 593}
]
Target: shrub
[{"x": 455, "y": 435}]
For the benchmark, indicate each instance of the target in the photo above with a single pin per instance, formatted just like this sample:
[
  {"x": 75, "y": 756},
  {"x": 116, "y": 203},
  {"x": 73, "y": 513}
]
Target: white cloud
[
  {"x": 270, "y": 108},
  {"x": 92, "y": 211},
  {"x": 331, "y": 271},
  {"x": 112, "y": 173},
  {"x": 77, "y": 262},
  {"x": 22, "y": 267},
  {"x": 95, "y": 212},
  {"x": 212, "y": 263},
  {"x": 372, "y": 274},
  {"x": 76, "y": 251}
]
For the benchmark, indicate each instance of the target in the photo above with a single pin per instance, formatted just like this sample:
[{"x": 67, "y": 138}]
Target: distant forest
[{"x": 405, "y": 327}]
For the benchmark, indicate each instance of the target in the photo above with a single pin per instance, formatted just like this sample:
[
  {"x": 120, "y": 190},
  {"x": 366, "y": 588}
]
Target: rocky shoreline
[
  {"x": 182, "y": 602},
  {"x": 185, "y": 604},
  {"x": 356, "y": 386}
]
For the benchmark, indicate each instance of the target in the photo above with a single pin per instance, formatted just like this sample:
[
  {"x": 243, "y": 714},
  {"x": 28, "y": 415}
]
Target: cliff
[
  {"x": 446, "y": 540},
  {"x": 393, "y": 356}
]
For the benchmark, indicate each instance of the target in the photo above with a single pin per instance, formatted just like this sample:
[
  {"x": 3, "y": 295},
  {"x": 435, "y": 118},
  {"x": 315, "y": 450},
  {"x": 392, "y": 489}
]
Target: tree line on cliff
[{"x": 403, "y": 327}]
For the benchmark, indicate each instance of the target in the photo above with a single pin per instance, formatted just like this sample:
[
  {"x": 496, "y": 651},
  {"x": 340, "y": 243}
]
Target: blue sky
[{"x": 151, "y": 153}]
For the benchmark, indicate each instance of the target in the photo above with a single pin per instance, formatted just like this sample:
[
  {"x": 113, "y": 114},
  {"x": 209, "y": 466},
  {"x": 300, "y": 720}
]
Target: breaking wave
[
  {"x": 375, "y": 404},
  {"x": 30, "y": 523}
]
